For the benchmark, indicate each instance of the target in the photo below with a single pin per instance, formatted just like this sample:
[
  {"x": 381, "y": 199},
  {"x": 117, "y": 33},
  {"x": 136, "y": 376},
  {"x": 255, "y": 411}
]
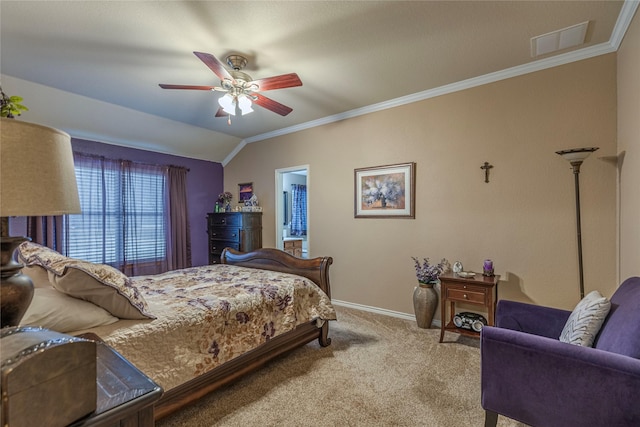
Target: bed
[{"x": 178, "y": 306}]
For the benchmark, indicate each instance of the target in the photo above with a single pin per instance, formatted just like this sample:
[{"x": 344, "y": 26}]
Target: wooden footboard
[{"x": 316, "y": 269}]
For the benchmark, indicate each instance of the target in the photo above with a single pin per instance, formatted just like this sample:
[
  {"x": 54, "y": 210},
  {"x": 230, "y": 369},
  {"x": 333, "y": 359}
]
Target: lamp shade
[
  {"x": 227, "y": 102},
  {"x": 37, "y": 176},
  {"x": 245, "y": 104},
  {"x": 576, "y": 154}
]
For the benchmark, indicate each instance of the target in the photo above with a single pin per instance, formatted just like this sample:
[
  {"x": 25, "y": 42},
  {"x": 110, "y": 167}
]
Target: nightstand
[
  {"x": 125, "y": 395},
  {"x": 477, "y": 290}
]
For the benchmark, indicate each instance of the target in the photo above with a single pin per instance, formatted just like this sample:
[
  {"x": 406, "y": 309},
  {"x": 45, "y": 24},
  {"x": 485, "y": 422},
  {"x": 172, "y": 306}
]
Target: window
[{"x": 123, "y": 213}]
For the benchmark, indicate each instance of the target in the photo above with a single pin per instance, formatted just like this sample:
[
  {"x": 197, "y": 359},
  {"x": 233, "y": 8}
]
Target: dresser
[
  {"x": 293, "y": 246},
  {"x": 241, "y": 231}
]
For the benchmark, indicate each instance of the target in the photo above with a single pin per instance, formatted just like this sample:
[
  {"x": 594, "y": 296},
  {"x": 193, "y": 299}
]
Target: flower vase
[
  {"x": 425, "y": 303},
  {"x": 227, "y": 207}
]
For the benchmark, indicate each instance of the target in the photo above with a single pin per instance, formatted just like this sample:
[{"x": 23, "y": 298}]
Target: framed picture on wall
[
  {"x": 245, "y": 191},
  {"x": 385, "y": 191}
]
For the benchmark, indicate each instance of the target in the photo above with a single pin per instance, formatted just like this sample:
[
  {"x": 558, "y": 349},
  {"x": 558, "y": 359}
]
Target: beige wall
[
  {"x": 523, "y": 219},
  {"x": 629, "y": 149}
]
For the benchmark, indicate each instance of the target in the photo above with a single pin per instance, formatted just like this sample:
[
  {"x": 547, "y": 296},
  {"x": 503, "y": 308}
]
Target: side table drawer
[{"x": 466, "y": 295}]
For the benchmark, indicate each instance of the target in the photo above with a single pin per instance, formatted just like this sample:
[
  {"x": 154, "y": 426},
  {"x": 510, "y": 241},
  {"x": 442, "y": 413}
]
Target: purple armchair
[{"x": 529, "y": 375}]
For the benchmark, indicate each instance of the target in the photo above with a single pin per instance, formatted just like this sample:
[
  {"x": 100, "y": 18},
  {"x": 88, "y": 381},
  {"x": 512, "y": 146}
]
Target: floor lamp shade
[
  {"x": 37, "y": 177},
  {"x": 37, "y": 173}
]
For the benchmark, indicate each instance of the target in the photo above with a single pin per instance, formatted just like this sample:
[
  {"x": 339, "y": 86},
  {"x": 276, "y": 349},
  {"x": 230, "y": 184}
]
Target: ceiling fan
[{"x": 241, "y": 91}]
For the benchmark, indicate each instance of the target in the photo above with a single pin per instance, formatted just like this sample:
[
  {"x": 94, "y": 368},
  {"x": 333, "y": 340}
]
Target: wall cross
[{"x": 486, "y": 168}]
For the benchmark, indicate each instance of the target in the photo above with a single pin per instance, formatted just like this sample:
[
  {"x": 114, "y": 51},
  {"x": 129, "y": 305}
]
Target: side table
[
  {"x": 125, "y": 395},
  {"x": 477, "y": 290}
]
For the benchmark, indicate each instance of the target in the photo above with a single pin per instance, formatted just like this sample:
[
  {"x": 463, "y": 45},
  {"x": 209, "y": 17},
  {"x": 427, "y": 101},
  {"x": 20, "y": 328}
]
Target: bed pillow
[
  {"x": 38, "y": 275},
  {"x": 102, "y": 285},
  {"x": 586, "y": 319},
  {"x": 54, "y": 310}
]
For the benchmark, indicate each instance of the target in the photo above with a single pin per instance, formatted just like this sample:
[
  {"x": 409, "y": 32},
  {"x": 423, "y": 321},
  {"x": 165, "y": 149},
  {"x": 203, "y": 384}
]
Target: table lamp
[{"x": 37, "y": 178}]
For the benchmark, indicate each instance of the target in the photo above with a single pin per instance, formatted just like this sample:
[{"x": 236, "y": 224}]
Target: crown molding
[
  {"x": 508, "y": 73},
  {"x": 625, "y": 17}
]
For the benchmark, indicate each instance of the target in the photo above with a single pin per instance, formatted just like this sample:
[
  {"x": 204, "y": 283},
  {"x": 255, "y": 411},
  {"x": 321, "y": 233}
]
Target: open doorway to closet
[{"x": 292, "y": 210}]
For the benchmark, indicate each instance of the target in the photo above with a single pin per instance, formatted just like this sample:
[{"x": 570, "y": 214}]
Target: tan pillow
[
  {"x": 102, "y": 285},
  {"x": 59, "y": 312},
  {"x": 38, "y": 275}
]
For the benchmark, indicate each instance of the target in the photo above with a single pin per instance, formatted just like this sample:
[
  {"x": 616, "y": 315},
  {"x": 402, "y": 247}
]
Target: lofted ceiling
[{"x": 104, "y": 58}]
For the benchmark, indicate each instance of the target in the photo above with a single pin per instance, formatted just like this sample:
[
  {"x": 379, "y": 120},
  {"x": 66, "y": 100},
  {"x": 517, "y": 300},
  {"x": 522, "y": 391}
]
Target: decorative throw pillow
[
  {"x": 31, "y": 254},
  {"x": 586, "y": 319},
  {"x": 59, "y": 312},
  {"x": 102, "y": 285}
]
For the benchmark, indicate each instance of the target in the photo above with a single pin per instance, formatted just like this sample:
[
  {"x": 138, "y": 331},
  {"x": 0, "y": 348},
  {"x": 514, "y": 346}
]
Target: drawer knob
[
  {"x": 464, "y": 287},
  {"x": 465, "y": 296}
]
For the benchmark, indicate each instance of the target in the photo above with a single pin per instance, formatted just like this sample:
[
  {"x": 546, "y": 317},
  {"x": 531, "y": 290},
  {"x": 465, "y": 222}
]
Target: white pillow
[
  {"x": 54, "y": 310},
  {"x": 586, "y": 319}
]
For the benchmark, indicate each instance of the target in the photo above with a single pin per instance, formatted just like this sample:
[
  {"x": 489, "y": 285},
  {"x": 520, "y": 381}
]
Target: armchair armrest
[
  {"x": 544, "y": 382},
  {"x": 532, "y": 319}
]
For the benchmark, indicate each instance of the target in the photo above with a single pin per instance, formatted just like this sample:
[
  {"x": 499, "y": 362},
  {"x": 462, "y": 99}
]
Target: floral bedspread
[{"x": 209, "y": 315}]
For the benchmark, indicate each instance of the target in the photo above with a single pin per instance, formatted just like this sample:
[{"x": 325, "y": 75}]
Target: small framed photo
[
  {"x": 245, "y": 192},
  {"x": 385, "y": 191}
]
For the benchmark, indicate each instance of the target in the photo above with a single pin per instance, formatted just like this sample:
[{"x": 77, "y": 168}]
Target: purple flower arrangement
[
  {"x": 225, "y": 197},
  {"x": 429, "y": 273}
]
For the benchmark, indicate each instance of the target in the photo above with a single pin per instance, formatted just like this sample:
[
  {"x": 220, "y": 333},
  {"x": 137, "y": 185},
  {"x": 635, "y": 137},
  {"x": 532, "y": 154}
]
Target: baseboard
[{"x": 383, "y": 311}]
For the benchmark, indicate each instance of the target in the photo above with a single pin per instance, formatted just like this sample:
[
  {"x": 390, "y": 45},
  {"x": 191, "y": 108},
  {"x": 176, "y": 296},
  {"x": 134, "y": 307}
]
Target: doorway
[{"x": 292, "y": 211}]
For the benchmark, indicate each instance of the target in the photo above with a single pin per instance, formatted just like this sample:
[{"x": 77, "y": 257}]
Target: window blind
[{"x": 123, "y": 213}]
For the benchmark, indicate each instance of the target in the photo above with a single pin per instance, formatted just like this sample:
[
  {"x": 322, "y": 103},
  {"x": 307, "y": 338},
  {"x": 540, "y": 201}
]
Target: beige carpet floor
[{"x": 378, "y": 371}]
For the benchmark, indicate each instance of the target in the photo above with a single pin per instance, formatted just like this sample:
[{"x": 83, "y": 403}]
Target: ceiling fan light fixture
[
  {"x": 227, "y": 103},
  {"x": 245, "y": 104}
]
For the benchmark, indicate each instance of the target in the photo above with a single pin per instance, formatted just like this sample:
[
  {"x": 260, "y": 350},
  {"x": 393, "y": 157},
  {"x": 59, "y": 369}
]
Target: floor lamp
[
  {"x": 576, "y": 156},
  {"x": 37, "y": 177}
]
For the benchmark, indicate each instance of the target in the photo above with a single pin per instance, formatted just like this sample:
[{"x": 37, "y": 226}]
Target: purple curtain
[
  {"x": 47, "y": 231},
  {"x": 178, "y": 233}
]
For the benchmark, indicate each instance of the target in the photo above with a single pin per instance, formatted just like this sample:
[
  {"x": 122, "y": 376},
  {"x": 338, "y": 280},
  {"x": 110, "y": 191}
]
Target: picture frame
[
  {"x": 245, "y": 192},
  {"x": 385, "y": 191}
]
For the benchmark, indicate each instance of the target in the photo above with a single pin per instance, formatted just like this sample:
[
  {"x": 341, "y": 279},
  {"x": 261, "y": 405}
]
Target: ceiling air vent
[{"x": 558, "y": 40}]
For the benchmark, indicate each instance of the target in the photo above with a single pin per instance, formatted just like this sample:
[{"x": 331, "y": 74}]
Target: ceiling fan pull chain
[{"x": 229, "y": 120}]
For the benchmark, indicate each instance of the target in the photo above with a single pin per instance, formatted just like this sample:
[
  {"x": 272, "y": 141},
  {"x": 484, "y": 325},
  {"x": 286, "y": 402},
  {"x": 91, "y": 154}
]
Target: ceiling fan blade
[
  {"x": 191, "y": 87},
  {"x": 215, "y": 65},
  {"x": 272, "y": 105},
  {"x": 221, "y": 113},
  {"x": 278, "y": 82}
]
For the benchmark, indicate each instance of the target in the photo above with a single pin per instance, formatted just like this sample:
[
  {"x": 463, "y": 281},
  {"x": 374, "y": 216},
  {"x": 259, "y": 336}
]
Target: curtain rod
[{"x": 99, "y": 156}]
